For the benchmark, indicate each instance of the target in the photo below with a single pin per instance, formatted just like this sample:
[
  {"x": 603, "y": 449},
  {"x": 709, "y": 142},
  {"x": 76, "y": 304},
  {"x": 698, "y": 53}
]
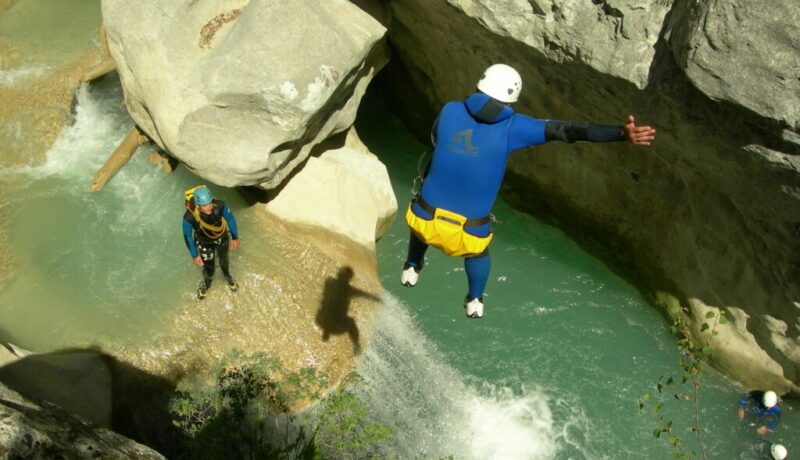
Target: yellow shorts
[{"x": 446, "y": 232}]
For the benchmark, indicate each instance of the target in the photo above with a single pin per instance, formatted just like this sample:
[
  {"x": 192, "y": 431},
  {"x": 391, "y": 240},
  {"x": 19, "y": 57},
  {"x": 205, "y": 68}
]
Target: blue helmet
[{"x": 202, "y": 196}]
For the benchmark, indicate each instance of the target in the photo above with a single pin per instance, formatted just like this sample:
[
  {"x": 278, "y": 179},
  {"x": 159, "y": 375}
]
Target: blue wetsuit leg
[
  {"x": 416, "y": 251},
  {"x": 477, "y": 269}
]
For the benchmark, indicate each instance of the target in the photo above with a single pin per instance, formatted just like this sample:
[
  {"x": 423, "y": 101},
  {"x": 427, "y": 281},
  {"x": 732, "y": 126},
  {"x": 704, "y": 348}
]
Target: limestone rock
[
  {"x": 242, "y": 90},
  {"x": 345, "y": 190},
  {"x": 744, "y": 52},
  {"x": 42, "y": 430},
  {"x": 77, "y": 382},
  {"x": 611, "y": 36}
]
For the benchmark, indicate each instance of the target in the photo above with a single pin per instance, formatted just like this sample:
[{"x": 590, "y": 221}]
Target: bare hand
[
  {"x": 235, "y": 244},
  {"x": 762, "y": 430},
  {"x": 741, "y": 414},
  {"x": 198, "y": 261},
  {"x": 637, "y": 135}
]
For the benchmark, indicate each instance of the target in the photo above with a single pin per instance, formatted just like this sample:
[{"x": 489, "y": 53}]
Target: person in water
[
  {"x": 472, "y": 141},
  {"x": 764, "y": 405},
  {"x": 768, "y": 450},
  {"x": 207, "y": 224}
]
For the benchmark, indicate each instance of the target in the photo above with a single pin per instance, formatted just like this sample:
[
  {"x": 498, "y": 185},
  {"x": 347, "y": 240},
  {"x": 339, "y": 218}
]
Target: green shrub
[{"x": 247, "y": 411}]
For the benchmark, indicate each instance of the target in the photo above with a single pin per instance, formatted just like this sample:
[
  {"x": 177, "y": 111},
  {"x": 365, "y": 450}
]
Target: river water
[{"x": 554, "y": 370}]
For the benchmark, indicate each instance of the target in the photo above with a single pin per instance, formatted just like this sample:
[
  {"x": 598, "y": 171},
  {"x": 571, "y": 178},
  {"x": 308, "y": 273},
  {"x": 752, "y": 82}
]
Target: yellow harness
[
  {"x": 211, "y": 231},
  {"x": 446, "y": 232}
]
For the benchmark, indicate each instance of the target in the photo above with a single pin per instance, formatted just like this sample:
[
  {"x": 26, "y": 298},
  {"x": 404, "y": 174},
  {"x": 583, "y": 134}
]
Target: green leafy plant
[
  {"x": 344, "y": 430},
  {"x": 249, "y": 411},
  {"x": 695, "y": 352}
]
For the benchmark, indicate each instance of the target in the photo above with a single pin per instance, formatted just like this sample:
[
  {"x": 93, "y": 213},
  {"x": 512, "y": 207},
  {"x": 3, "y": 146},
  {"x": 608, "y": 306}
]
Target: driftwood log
[{"x": 119, "y": 158}]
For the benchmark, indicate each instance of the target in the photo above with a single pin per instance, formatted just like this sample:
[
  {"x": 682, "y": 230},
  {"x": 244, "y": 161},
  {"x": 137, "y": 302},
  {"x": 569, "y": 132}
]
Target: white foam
[
  {"x": 13, "y": 77},
  {"x": 82, "y": 147},
  {"x": 435, "y": 413}
]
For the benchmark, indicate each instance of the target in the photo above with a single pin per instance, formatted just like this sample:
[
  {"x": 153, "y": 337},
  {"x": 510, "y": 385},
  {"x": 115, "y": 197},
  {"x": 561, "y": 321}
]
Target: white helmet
[
  {"x": 778, "y": 452},
  {"x": 501, "y": 82},
  {"x": 770, "y": 399}
]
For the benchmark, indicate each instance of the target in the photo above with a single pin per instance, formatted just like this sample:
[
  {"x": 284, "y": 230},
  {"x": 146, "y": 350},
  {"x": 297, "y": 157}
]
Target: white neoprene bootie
[
  {"x": 410, "y": 276},
  {"x": 474, "y": 307}
]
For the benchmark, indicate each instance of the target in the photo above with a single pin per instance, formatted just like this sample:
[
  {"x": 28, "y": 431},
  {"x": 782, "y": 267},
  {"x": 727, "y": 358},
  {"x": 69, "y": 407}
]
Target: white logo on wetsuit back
[{"x": 463, "y": 144}]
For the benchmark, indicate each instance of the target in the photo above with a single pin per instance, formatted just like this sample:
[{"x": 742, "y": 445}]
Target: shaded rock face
[
  {"x": 242, "y": 90},
  {"x": 42, "y": 430},
  {"x": 709, "y": 217}
]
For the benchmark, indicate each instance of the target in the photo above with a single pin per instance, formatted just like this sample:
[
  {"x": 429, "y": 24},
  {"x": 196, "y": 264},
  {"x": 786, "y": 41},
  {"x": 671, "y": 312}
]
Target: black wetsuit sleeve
[{"x": 581, "y": 131}]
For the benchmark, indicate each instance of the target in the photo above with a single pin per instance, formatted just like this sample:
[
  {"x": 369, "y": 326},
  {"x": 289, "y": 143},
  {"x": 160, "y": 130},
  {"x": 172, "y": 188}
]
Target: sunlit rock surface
[
  {"x": 241, "y": 90},
  {"x": 345, "y": 190},
  {"x": 743, "y": 52},
  {"x": 709, "y": 217}
]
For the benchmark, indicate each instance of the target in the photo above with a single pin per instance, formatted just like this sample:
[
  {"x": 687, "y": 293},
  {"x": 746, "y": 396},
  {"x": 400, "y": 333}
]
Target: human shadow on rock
[{"x": 333, "y": 316}]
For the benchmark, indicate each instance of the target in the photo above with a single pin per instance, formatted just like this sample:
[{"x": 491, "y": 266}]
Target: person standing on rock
[
  {"x": 207, "y": 224},
  {"x": 764, "y": 405},
  {"x": 473, "y": 139}
]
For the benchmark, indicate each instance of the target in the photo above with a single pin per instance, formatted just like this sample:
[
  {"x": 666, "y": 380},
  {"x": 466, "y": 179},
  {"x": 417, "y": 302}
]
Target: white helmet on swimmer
[
  {"x": 501, "y": 82},
  {"x": 770, "y": 399},
  {"x": 778, "y": 451}
]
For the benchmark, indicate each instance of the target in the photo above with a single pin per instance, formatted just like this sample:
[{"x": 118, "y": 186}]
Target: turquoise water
[
  {"x": 557, "y": 365},
  {"x": 89, "y": 267},
  {"x": 50, "y": 30}
]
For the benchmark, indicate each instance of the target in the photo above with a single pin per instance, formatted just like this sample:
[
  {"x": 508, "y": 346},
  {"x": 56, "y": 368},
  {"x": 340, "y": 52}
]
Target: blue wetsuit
[
  {"x": 474, "y": 139},
  {"x": 770, "y": 417}
]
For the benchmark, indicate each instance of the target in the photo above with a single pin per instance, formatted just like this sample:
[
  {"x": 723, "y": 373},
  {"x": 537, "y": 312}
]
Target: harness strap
[
  {"x": 469, "y": 222},
  {"x": 211, "y": 231}
]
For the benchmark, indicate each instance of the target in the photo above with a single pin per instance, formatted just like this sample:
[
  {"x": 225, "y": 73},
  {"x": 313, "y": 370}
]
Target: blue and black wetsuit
[
  {"x": 752, "y": 402},
  {"x": 473, "y": 140},
  {"x": 200, "y": 243}
]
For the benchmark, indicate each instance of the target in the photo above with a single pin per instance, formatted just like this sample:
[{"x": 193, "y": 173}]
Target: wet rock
[{"x": 242, "y": 90}]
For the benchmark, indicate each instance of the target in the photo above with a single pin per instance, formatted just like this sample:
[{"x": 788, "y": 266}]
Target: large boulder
[
  {"x": 345, "y": 190},
  {"x": 242, "y": 90},
  {"x": 707, "y": 218},
  {"x": 38, "y": 429},
  {"x": 726, "y": 47}
]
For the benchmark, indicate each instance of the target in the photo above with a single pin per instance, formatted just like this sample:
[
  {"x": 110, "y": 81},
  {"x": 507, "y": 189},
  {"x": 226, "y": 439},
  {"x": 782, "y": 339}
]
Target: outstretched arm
[{"x": 581, "y": 131}]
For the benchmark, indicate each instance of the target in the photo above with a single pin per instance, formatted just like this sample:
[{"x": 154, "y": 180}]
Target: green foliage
[
  {"x": 695, "y": 351},
  {"x": 344, "y": 430},
  {"x": 247, "y": 412}
]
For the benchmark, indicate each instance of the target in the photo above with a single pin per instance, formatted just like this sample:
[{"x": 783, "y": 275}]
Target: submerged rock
[
  {"x": 706, "y": 218},
  {"x": 242, "y": 90}
]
